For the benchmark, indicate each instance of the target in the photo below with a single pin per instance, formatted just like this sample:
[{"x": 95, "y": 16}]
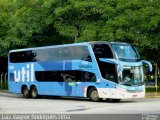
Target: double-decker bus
[{"x": 97, "y": 70}]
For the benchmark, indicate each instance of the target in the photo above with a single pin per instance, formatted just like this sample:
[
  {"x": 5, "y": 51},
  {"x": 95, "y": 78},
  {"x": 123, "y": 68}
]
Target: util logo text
[{"x": 26, "y": 74}]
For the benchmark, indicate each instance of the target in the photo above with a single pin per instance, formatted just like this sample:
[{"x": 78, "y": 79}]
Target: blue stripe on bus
[
  {"x": 66, "y": 65},
  {"x": 52, "y": 65},
  {"x": 68, "y": 89}
]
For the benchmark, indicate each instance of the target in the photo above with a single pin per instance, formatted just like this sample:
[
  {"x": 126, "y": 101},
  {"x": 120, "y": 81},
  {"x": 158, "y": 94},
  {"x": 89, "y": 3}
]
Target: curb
[
  {"x": 152, "y": 96},
  {"x": 4, "y": 91}
]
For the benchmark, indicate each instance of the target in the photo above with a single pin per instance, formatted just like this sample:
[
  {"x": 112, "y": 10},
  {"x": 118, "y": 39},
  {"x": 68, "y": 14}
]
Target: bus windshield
[
  {"x": 125, "y": 52},
  {"x": 132, "y": 76}
]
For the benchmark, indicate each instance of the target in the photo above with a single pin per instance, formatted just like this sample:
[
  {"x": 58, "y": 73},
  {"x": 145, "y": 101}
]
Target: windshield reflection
[
  {"x": 131, "y": 76},
  {"x": 125, "y": 52}
]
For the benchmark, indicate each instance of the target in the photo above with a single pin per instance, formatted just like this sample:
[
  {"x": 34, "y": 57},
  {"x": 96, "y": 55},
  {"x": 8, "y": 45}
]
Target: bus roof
[
  {"x": 105, "y": 42},
  {"x": 51, "y": 46},
  {"x": 64, "y": 45}
]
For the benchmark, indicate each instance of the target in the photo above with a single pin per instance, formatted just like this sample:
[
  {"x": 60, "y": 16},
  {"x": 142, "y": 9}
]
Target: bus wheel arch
[
  {"x": 34, "y": 91},
  {"x": 25, "y": 91},
  {"x": 92, "y": 93}
]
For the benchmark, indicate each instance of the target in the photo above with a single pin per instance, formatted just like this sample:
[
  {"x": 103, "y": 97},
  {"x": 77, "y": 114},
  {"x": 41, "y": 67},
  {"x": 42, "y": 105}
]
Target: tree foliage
[
  {"x": 30, "y": 23},
  {"x": 6, "y": 11}
]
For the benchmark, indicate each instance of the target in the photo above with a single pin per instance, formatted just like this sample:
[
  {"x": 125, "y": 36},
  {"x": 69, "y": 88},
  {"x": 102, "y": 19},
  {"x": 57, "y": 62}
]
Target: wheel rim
[
  {"x": 94, "y": 95},
  {"x": 25, "y": 92},
  {"x": 34, "y": 93}
]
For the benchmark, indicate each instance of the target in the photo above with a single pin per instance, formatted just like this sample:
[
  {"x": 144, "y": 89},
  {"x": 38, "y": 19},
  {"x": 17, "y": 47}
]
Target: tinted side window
[
  {"x": 52, "y": 54},
  {"x": 89, "y": 77},
  {"x": 79, "y": 76},
  {"x": 81, "y": 53},
  {"x": 68, "y": 76},
  {"x": 46, "y": 76},
  {"x": 23, "y": 56},
  {"x": 40, "y": 55},
  {"x": 108, "y": 71},
  {"x": 65, "y": 76},
  {"x": 106, "y": 51},
  {"x": 65, "y": 53},
  {"x": 102, "y": 51},
  {"x": 75, "y": 53}
]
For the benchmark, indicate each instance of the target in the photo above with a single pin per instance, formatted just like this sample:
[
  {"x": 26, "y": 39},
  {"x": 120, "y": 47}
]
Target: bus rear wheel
[
  {"x": 25, "y": 92},
  {"x": 93, "y": 95},
  {"x": 34, "y": 92}
]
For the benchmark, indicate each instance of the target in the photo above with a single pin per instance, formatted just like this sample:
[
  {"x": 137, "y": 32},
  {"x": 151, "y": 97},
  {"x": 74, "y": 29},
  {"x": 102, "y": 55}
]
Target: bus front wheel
[
  {"x": 34, "y": 92},
  {"x": 25, "y": 92},
  {"x": 93, "y": 95}
]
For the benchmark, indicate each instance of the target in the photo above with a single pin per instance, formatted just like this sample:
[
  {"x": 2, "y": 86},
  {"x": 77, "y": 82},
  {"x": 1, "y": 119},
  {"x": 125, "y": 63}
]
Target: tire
[
  {"x": 34, "y": 92},
  {"x": 25, "y": 92},
  {"x": 93, "y": 95}
]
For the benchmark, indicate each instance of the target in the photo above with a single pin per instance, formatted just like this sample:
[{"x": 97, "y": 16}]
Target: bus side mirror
[{"x": 149, "y": 64}]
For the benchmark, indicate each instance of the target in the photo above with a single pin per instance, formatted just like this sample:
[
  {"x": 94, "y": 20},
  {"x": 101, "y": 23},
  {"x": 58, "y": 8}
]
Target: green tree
[
  {"x": 6, "y": 11},
  {"x": 32, "y": 23},
  {"x": 78, "y": 20}
]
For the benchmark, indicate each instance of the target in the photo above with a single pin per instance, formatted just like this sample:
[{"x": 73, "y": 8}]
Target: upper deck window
[
  {"x": 102, "y": 51},
  {"x": 51, "y": 54},
  {"x": 126, "y": 52}
]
